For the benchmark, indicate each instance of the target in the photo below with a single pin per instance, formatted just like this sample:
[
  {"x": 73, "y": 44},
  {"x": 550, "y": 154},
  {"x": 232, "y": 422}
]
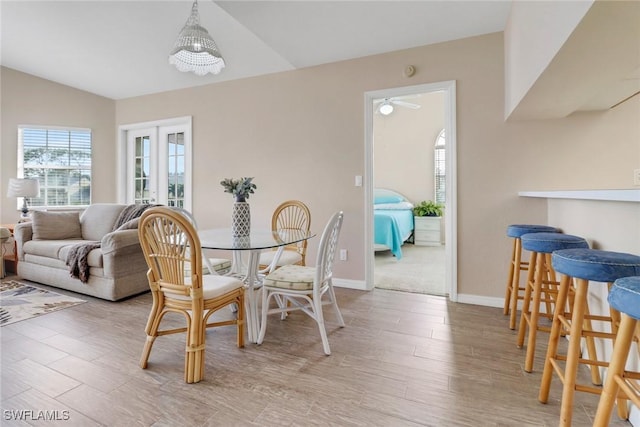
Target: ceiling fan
[{"x": 387, "y": 105}]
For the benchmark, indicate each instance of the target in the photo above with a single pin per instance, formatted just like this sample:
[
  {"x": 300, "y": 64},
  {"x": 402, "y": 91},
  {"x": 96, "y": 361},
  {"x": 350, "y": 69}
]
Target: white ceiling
[{"x": 119, "y": 49}]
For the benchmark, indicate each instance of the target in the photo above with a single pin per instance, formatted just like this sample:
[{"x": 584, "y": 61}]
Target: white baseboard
[
  {"x": 481, "y": 300},
  {"x": 462, "y": 298},
  {"x": 351, "y": 284}
]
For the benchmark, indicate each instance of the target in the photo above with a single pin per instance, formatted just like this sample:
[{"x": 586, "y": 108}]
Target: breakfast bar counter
[{"x": 625, "y": 195}]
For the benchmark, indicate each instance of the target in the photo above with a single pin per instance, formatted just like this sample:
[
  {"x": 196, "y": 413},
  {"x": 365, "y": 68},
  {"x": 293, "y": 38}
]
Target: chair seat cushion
[
  {"x": 219, "y": 264},
  {"x": 295, "y": 277},
  {"x": 286, "y": 258},
  {"x": 549, "y": 242},
  {"x": 214, "y": 286},
  {"x": 595, "y": 264},
  {"x": 517, "y": 230},
  {"x": 624, "y": 296}
]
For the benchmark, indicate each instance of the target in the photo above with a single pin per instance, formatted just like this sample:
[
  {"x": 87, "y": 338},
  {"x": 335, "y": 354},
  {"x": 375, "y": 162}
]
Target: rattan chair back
[
  {"x": 293, "y": 215},
  {"x": 213, "y": 265},
  {"x": 169, "y": 241}
]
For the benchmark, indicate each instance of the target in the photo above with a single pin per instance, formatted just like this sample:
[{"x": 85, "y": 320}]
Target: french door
[{"x": 158, "y": 163}]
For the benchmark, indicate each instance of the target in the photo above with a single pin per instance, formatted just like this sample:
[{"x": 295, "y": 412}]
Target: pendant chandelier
[{"x": 195, "y": 50}]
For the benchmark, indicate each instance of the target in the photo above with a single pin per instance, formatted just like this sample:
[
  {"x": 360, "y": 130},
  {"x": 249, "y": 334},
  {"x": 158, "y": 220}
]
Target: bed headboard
[{"x": 385, "y": 195}]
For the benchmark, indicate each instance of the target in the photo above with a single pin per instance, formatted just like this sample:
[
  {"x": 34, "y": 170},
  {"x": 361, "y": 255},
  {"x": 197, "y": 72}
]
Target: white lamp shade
[{"x": 19, "y": 187}]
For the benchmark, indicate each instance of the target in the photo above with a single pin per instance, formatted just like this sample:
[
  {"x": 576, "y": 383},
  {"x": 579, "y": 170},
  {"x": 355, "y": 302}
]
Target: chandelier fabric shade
[{"x": 195, "y": 50}]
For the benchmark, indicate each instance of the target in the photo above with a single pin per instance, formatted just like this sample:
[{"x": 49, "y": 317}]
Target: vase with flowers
[{"x": 241, "y": 218}]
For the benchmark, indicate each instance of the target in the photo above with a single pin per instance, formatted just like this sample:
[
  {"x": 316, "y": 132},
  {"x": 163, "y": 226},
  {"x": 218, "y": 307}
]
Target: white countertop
[{"x": 630, "y": 195}]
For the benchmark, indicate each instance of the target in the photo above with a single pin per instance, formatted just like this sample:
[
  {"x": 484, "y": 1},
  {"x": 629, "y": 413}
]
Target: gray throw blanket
[{"x": 77, "y": 259}]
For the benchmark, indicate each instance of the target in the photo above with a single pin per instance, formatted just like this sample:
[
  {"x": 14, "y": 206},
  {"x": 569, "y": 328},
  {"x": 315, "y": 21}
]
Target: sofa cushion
[
  {"x": 4, "y": 233},
  {"x": 48, "y": 248},
  {"x": 98, "y": 219},
  {"x": 59, "y": 250},
  {"x": 94, "y": 259},
  {"x": 56, "y": 225},
  {"x": 129, "y": 225}
]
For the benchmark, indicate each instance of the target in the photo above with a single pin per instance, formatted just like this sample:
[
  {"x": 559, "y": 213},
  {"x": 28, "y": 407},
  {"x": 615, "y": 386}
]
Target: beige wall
[
  {"x": 403, "y": 147},
  {"x": 301, "y": 134},
  {"x": 29, "y": 100}
]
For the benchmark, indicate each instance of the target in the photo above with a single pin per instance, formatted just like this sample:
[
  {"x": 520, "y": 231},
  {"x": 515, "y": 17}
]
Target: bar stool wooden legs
[
  {"x": 624, "y": 297},
  {"x": 516, "y": 265},
  {"x": 542, "y": 287},
  {"x": 585, "y": 266}
]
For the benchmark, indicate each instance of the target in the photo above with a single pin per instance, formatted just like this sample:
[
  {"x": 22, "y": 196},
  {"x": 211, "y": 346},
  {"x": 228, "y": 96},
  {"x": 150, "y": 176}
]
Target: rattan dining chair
[
  {"x": 289, "y": 215},
  {"x": 169, "y": 241},
  {"x": 296, "y": 287}
]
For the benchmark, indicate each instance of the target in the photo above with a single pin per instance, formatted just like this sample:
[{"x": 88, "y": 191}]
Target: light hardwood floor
[{"x": 402, "y": 360}]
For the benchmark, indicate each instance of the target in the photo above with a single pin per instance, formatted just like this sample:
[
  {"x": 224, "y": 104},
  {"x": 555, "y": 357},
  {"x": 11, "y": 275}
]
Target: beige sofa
[{"x": 117, "y": 268}]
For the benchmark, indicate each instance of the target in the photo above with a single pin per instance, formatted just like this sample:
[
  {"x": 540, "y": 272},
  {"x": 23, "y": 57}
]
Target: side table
[
  {"x": 6, "y": 232},
  {"x": 427, "y": 231}
]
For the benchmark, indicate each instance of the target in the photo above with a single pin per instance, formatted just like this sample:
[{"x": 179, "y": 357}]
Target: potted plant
[
  {"x": 428, "y": 208},
  {"x": 241, "y": 189}
]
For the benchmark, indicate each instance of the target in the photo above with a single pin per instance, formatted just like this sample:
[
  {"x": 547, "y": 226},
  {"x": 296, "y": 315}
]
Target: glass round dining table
[{"x": 257, "y": 241}]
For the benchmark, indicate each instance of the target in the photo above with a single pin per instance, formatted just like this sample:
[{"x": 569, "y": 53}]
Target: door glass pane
[
  {"x": 142, "y": 169},
  {"x": 175, "y": 178}
]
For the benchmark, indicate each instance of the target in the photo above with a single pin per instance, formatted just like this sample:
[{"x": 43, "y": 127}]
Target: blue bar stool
[
  {"x": 585, "y": 266},
  {"x": 624, "y": 296},
  {"x": 541, "y": 280},
  {"x": 516, "y": 265}
]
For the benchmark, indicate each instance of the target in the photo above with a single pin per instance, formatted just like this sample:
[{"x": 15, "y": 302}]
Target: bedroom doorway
[{"x": 402, "y": 130}]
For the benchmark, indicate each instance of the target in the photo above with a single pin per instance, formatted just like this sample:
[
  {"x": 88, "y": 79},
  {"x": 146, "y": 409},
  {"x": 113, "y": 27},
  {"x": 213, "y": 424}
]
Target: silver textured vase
[{"x": 241, "y": 219}]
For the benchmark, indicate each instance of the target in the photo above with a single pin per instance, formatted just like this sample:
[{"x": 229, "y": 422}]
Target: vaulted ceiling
[{"x": 119, "y": 49}]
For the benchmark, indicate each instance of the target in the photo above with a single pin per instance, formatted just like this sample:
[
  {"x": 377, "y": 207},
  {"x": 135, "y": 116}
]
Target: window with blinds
[
  {"x": 61, "y": 161},
  {"x": 439, "y": 168}
]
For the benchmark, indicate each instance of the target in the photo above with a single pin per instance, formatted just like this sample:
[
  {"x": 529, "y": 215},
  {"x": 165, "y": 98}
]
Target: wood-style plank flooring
[{"x": 402, "y": 360}]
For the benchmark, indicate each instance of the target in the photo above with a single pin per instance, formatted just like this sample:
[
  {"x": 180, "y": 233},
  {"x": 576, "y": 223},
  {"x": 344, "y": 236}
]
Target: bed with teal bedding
[{"x": 393, "y": 221}]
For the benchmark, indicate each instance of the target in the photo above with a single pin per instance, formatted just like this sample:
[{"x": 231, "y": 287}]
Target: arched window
[{"x": 439, "y": 168}]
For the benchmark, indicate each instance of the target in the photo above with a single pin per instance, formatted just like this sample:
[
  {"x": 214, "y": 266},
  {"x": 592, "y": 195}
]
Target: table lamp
[{"x": 23, "y": 187}]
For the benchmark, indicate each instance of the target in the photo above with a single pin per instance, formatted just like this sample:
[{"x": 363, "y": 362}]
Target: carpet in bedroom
[{"x": 420, "y": 270}]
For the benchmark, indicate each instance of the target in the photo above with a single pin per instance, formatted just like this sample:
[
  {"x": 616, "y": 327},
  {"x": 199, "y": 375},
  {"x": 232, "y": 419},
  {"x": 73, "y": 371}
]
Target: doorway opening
[{"x": 392, "y": 162}]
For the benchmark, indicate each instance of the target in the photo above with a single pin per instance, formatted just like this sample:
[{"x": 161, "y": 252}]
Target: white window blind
[{"x": 61, "y": 160}]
